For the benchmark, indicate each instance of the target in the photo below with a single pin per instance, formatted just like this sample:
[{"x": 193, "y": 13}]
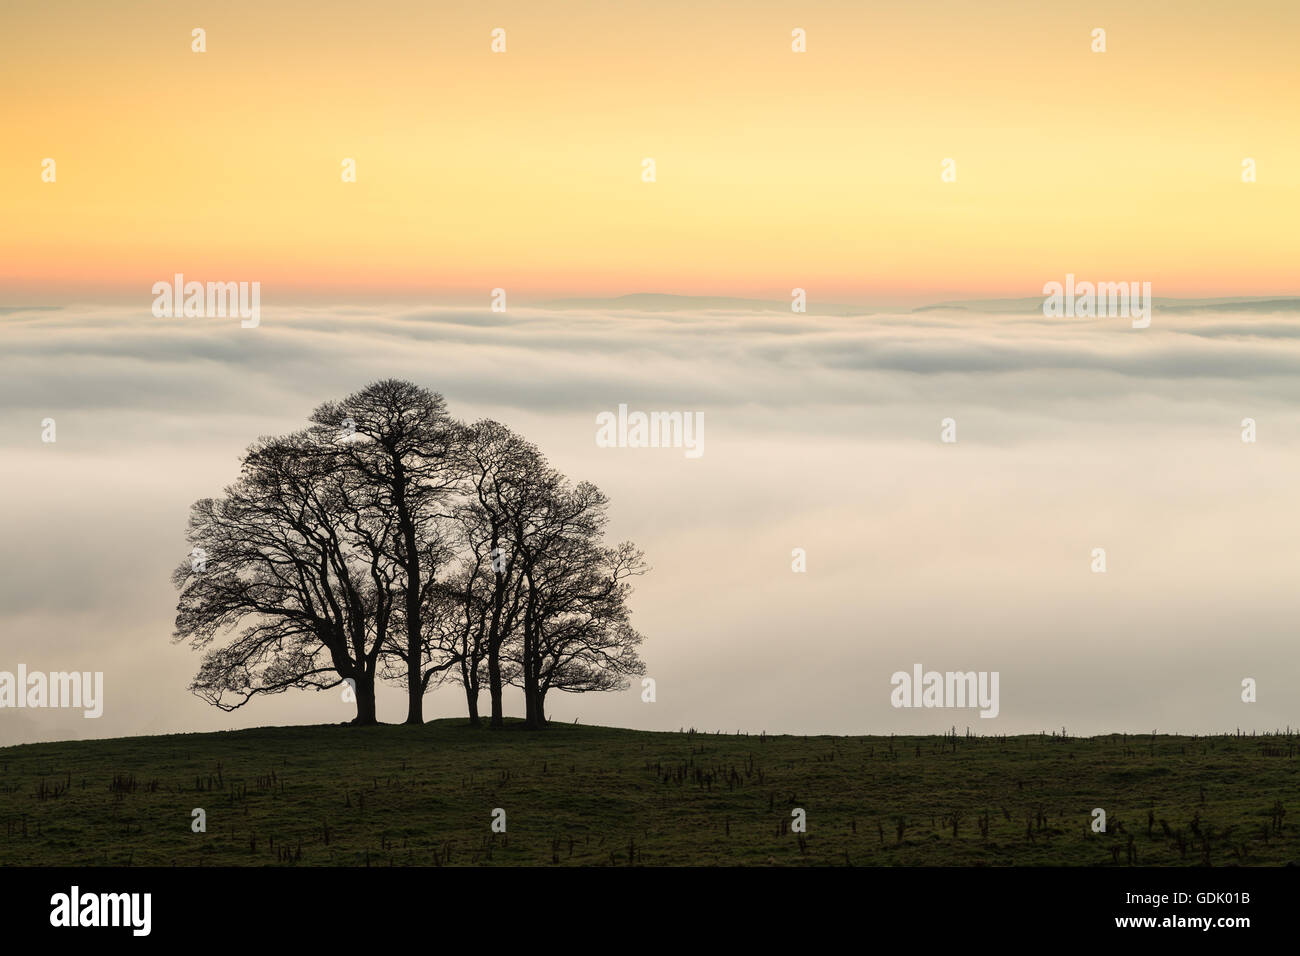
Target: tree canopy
[{"x": 389, "y": 541}]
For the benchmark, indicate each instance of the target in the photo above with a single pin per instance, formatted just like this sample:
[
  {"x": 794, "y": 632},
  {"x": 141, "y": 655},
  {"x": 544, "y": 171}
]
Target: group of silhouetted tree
[{"x": 389, "y": 541}]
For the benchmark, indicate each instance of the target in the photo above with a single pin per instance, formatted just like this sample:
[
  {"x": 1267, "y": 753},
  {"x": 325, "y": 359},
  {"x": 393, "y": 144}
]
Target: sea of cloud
[{"x": 821, "y": 433}]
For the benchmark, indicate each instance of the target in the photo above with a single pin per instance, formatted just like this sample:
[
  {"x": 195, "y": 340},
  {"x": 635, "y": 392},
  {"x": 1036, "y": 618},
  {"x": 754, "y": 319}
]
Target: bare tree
[
  {"x": 548, "y": 520},
  {"x": 576, "y": 634},
  {"x": 499, "y": 466},
  {"x": 285, "y": 555},
  {"x": 456, "y": 619},
  {"x": 398, "y": 451},
  {"x": 388, "y": 540},
  {"x": 553, "y": 610},
  {"x": 585, "y": 641}
]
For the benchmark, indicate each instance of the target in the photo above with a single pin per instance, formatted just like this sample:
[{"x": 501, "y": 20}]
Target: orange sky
[{"x": 523, "y": 170}]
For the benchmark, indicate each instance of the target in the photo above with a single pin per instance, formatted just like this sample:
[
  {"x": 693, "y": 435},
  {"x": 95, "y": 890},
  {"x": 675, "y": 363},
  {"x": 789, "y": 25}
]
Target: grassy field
[{"x": 572, "y": 795}]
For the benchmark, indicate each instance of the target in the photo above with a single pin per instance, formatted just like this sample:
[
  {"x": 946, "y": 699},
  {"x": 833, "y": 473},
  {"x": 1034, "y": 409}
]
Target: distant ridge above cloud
[
  {"x": 1035, "y": 304},
  {"x": 664, "y": 302}
]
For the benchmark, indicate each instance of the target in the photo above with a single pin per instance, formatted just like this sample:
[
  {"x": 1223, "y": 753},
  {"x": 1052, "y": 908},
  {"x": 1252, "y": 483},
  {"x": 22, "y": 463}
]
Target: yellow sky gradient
[{"x": 523, "y": 170}]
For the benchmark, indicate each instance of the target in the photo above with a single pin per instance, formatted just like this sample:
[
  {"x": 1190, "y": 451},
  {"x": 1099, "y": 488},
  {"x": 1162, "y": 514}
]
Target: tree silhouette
[
  {"x": 287, "y": 555},
  {"x": 397, "y": 449},
  {"x": 583, "y": 639},
  {"x": 499, "y": 466},
  {"x": 570, "y": 607},
  {"x": 388, "y": 540}
]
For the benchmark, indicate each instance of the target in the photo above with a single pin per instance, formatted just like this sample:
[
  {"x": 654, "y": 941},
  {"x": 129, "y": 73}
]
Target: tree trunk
[
  {"x": 411, "y": 565},
  {"x": 494, "y": 641},
  {"x": 533, "y": 704},
  {"x": 471, "y": 698},
  {"x": 532, "y": 713},
  {"x": 414, "y": 690},
  {"x": 534, "y": 719},
  {"x": 365, "y": 693},
  {"x": 494, "y": 686}
]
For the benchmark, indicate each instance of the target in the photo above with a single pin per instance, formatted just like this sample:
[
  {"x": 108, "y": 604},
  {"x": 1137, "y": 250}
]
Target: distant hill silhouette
[{"x": 664, "y": 302}]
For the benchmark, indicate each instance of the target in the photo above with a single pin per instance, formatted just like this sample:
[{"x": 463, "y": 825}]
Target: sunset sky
[
  {"x": 775, "y": 170},
  {"x": 523, "y": 170}
]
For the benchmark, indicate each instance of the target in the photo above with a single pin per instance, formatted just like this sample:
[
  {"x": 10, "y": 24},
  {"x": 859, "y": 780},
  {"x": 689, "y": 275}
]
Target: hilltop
[{"x": 356, "y": 796}]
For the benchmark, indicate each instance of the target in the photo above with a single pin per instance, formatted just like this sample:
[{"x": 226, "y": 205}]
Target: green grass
[{"x": 598, "y": 796}]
